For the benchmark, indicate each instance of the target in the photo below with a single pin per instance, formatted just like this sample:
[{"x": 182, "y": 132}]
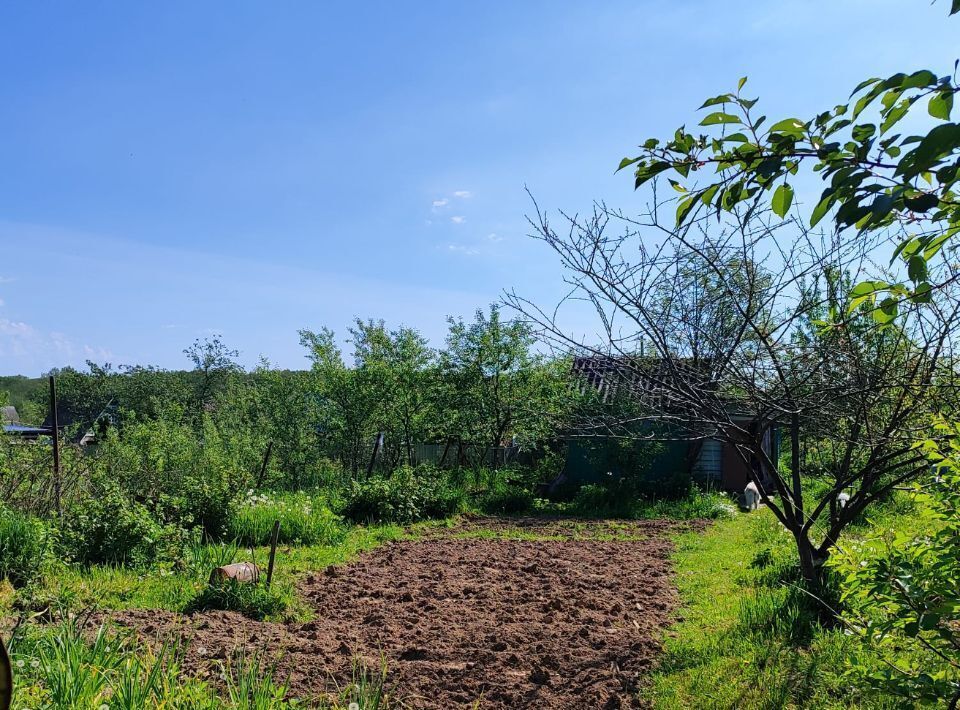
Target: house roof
[
  {"x": 662, "y": 384},
  {"x": 23, "y": 429}
]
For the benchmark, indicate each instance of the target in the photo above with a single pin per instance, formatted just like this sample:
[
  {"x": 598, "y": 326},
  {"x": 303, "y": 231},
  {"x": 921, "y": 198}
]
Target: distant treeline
[{"x": 487, "y": 387}]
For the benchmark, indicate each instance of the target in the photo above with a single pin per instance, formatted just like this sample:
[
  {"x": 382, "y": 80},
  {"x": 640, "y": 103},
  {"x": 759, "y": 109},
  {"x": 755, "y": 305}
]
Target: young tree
[
  {"x": 398, "y": 363},
  {"x": 213, "y": 363},
  {"x": 872, "y": 385},
  {"x": 347, "y": 401},
  {"x": 904, "y": 599},
  {"x": 496, "y": 387}
]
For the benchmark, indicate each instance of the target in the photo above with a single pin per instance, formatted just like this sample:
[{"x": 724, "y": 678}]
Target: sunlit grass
[
  {"x": 174, "y": 586},
  {"x": 748, "y": 637}
]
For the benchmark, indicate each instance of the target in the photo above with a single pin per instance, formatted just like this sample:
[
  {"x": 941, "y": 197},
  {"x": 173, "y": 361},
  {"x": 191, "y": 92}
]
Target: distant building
[
  {"x": 13, "y": 426},
  {"x": 680, "y": 452}
]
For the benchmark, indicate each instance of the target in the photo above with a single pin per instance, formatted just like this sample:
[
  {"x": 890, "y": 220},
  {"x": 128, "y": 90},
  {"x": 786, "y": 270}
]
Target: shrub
[
  {"x": 506, "y": 500},
  {"x": 23, "y": 547},
  {"x": 303, "y": 519},
  {"x": 405, "y": 497},
  {"x": 381, "y": 500},
  {"x": 110, "y": 527},
  {"x": 620, "y": 500}
]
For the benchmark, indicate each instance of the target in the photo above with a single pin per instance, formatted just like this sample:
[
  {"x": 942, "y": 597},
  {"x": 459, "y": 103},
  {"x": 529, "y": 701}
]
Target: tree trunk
[{"x": 813, "y": 572}]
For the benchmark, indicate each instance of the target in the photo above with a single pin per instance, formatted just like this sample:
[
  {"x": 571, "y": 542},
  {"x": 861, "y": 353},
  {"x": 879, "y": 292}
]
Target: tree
[
  {"x": 398, "y": 363},
  {"x": 496, "y": 387},
  {"x": 903, "y": 598},
  {"x": 213, "y": 363},
  {"x": 872, "y": 384},
  {"x": 878, "y": 179},
  {"x": 347, "y": 402}
]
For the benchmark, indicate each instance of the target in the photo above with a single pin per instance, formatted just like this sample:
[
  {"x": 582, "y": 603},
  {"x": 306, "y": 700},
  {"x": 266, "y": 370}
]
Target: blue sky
[{"x": 172, "y": 170}]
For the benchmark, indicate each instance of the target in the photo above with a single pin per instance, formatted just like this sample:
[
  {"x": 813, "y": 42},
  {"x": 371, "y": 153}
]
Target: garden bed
[{"x": 553, "y": 614}]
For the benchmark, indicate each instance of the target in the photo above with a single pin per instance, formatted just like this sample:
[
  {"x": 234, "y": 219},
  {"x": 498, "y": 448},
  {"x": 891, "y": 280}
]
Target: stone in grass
[{"x": 243, "y": 572}]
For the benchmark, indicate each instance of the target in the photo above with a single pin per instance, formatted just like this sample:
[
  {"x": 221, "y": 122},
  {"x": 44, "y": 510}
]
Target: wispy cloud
[
  {"x": 22, "y": 340},
  {"x": 463, "y": 249},
  {"x": 494, "y": 237},
  {"x": 440, "y": 203},
  {"x": 463, "y": 194},
  {"x": 458, "y": 219}
]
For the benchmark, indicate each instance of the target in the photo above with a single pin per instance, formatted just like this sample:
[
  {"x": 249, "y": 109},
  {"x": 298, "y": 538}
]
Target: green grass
[
  {"x": 599, "y": 502},
  {"x": 748, "y": 637},
  {"x": 59, "y": 667},
  {"x": 304, "y": 520},
  {"x": 180, "y": 585}
]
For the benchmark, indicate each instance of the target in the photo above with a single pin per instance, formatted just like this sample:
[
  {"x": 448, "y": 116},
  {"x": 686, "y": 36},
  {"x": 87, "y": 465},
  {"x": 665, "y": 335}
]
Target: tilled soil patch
[{"x": 508, "y": 623}]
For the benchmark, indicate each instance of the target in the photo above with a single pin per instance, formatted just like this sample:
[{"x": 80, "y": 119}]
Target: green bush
[
  {"x": 110, "y": 528},
  {"x": 506, "y": 500},
  {"x": 405, "y": 497},
  {"x": 23, "y": 547},
  {"x": 303, "y": 519},
  {"x": 619, "y": 499},
  {"x": 381, "y": 499}
]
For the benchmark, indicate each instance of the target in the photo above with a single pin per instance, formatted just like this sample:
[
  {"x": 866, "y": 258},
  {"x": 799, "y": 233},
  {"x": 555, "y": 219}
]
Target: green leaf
[
  {"x": 719, "y": 117},
  {"x": 684, "y": 207},
  {"x": 626, "y": 162},
  {"x": 791, "y": 126},
  {"x": 955, "y": 8},
  {"x": 717, "y": 100},
  {"x": 647, "y": 172},
  {"x": 941, "y": 104},
  {"x": 887, "y": 311},
  {"x": 782, "y": 199},
  {"x": 922, "y": 293},
  {"x": 917, "y": 268},
  {"x": 820, "y": 211},
  {"x": 865, "y": 83},
  {"x": 736, "y": 138},
  {"x": 743, "y": 80},
  {"x": 923, "y": 202},
  {"x": 919, "y": 80}
]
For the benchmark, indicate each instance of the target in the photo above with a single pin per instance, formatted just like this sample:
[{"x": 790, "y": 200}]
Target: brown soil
[{"x": 459, "y": 618}]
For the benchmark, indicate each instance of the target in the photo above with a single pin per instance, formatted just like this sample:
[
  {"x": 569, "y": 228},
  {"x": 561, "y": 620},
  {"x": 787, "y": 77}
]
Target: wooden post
[
  {"x": 376, "y": 450},
  {"x": 274, "y": 538},
  {"x": 263, "y": 468},
  {"x": 56, "y": 446}
]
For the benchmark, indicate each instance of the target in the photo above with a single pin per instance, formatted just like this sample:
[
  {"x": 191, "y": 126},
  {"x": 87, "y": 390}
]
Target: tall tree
[
  {"x": 498, "y": 388},
  {"x": 873, "y": 384}
]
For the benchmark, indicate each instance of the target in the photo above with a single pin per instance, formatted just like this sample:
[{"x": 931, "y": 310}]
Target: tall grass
[
  {"x": 24, "y": 546},
  {"x": 304, "y": 519},
  {"x": 749, "y": 637},
  {"x": 60, "y": 667}
]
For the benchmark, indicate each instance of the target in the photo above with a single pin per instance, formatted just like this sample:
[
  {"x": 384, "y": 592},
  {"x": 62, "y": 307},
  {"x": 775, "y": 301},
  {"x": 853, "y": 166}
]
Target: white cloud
[
  {"x": 53, "y": 349},
  {"x": 458, "y": 219},
  {"x": 494, "y": 237},
  {"x": 6, "y": 280},
  {"x": 463, "y": 194},
  {"x": 463, "y": 249},
  {"x": 440, "y": 203}
]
